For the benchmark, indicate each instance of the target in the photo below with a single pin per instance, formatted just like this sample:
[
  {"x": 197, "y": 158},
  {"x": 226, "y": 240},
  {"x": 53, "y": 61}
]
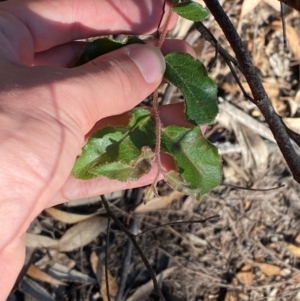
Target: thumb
[{"x": 116, "y": 82}]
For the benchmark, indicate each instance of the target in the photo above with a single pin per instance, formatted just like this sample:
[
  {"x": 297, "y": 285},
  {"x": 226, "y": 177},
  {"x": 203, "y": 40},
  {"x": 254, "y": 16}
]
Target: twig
[
  {"x": 253, "y": 189},
  {"x": 283, "y": 25},
  {"x": 273, "y": 255},
  {"x": 106, "y": 259},
  {"x": 132, "y": 238},
  {"x": 209, "y": 37},
  {"x": 261, "y": 99},
  {"x": 179, "y": 222},
  {"x": 135, "y": 199},
  {"x": 229, "y": 60}
]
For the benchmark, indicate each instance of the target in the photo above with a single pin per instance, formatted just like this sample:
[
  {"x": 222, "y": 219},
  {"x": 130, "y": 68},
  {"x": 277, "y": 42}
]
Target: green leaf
[
  {"x": 123, "y": 171},
  {"x": 200, "y": 91},
  {"x": 198, "y": 164},
  {"x": 191, "y": 10},
  {"x": 177, "y": 182},
  {"x": 102, "y": 46},
  {"x": 121, "y": 147}
]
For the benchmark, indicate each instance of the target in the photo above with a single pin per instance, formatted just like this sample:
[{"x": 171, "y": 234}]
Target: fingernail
[{"x": 149, "y": 60}]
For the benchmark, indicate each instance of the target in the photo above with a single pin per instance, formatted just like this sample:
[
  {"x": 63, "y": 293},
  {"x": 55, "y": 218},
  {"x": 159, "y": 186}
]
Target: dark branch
[
  {"x": 132, "y": 238},
  {"x": 261, "y": 99},
  {"x": 179, "y": 222},
  {"x": 106, "y": 260},
  {"x": 131, "y": 200},
  {"x": 229, "y": 60},
  {"x": 283, "y": 25}
]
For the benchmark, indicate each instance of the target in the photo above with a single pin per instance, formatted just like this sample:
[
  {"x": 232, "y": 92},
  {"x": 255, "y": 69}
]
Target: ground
[{"x": 250, "y": 247}]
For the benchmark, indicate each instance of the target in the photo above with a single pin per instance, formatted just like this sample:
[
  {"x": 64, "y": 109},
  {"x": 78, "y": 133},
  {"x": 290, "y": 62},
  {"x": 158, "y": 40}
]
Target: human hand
[{"x": 47, "y": 109}]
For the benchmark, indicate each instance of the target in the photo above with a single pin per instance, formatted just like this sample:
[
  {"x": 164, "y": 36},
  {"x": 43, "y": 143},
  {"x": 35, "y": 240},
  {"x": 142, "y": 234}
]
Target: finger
[
  {"x": 172, "y": 114},
  {"x": 171, "y": 45},
  {"x": 60, "y": 56},
  {"x": 64, "y": 55},
  {"x": 77, "y": 189},
  {"x": 109, "y": 85},
  {"x": 26, "y": 22}
]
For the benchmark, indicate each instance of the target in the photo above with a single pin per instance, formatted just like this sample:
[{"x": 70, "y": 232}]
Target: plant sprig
[
  {"x": 125, "y": 153},
  {"x": 158, "y": 123}
]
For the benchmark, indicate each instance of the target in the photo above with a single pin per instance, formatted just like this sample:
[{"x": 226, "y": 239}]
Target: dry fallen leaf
[
  {"x": 52, "y": 256},
  {"x": 297, "y": 239},
  {"x": 269, "y": 269},
  {"x": 234, "y": 166},
  {"x": 112, "y": 284},
  {"x": 66, "y": 274},
  {"x": 294, "y": 250},
  {"x": 293, "y": 123},
  {"x": 245, "y": 275},
  {"x": 39, "y": 241},
  {"x": 259, "y": 150},
  {"x": 296, "y": 277},
  {"x": 293, "y": 105},
  {"x": 274, "y": 3},
  {"x": 272, "y": 294},
  {"x": 231, "y": 296},
  {"x": 146, "y": 288},
  {"x": 292, "y": 37},
  {"x": 247, "y": 204},
  {"x": 38, "y": 274},
  {"x": 96, "y": 266},
  {"x": 158, "y": 203},
  {"x": 68, "y": 218},
  {"x": 196, "y": 240},
  {"x": 248, "y": 6},
  {"x": 82, "y": 234}
]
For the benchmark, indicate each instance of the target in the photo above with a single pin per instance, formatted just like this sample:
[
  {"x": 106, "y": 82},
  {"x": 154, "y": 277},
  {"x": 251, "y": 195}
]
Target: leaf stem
[
  {"x": 158, "y": 127},
  {"x": 158, "y": 124},
  {"x": 164, "y": 30}
]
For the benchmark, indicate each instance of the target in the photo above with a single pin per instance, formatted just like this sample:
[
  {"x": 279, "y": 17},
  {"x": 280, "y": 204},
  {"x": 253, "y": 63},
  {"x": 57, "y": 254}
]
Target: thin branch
[
  {"x": 132, "y": 238},
  {"x": 209, "y": 37},
  {"x": 283, "y": 25},
  {"x": 179, "y": 222},
  {"x": 261, "y": 99},
  {"x": 229, "y": 60},
  {"x": 134, "y": 200},
  {"x": 106, "y": 259},
  {"x": 253, "y": 189}
]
